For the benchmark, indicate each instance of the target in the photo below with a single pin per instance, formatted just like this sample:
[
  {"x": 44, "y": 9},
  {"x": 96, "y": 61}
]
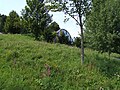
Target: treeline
[
  {"x": 2, "y": 22},
  {"x": 34, "y": 20}
]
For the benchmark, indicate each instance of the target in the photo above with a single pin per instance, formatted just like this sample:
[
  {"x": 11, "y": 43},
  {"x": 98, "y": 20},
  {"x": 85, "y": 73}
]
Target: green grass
[{"x": 26, "y": 64}]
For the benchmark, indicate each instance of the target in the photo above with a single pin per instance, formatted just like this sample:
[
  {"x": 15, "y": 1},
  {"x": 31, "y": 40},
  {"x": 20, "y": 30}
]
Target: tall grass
[{"x": 26, "y": 64}]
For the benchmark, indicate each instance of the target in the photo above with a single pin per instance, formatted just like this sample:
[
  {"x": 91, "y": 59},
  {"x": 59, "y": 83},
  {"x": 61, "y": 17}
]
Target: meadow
[{"x": 26, "y": 64}]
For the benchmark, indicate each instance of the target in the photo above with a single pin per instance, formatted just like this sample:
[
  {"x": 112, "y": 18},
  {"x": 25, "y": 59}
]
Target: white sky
[{"x": 8, "y": 5}]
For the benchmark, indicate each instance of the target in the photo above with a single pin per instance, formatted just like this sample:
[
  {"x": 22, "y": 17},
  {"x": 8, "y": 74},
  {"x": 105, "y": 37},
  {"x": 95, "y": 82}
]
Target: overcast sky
[{"x": 8, "y": 5}]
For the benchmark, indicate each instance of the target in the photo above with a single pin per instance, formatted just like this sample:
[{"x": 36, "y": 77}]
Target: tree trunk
[
  {"x": 82, "y": 46},
  {"x": 82, "y": 40}
]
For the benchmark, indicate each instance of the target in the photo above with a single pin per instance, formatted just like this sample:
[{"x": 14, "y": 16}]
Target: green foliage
[
  {"x": 12, "y": 24},
  {"x": 77, "y": 42},
  {"x": 54, "y": 26},
  {"x": 102, "y": 26},
  {"x": 35, "y": 18},
  {"x": 31, "y": 65},
  {"x": 50, "y": 32},
  {"x": 63, "y": 39},
  {"x": 2, "y": 22}
]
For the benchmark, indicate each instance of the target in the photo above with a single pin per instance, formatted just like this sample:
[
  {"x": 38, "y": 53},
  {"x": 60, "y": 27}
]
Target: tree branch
[{"x": 73, "y": 17}]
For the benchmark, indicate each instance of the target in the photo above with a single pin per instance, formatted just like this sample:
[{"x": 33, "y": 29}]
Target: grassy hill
[{"x": 26, "y": 64}]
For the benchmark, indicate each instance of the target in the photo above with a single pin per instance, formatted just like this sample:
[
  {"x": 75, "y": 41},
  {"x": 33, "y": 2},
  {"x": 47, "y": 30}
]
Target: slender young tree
[{"x": 74, "y": 8}]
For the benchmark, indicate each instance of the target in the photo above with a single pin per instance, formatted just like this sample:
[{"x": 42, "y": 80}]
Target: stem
[{"x": 82, "y": 39}]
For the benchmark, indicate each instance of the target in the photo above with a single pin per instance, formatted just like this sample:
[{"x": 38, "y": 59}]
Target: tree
[
  {"x": 2, "y": 22},
  {"x": 77, "y": 41},
  {"x": 74, "y": 8},
  {"x": 103, "y": 26},
  {"x": 12, "y": 24},
  {"x": 35, "y": 18},
  {"x": 50, "y": 32},
  {"x": 54, "y": 26},
  {"x": 63, "y": 38}
]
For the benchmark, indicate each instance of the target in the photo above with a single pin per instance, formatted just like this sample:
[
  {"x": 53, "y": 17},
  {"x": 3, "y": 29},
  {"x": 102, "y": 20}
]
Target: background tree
[
  {"x": 50, "y": 32},
  {"x": 54, "y": 26},
  {"x": 2, "y": 22},
  {"x": 77, "y": 41},
  {"x": 12, "y": 24},
  {"x": 63, "y": 39},
  {"x": 103, "y": 26},
  {"x": 74, "y": 8},
  {"x": 35, "y": 17}
]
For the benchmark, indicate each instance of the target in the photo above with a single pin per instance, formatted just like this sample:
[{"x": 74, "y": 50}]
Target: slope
[{"x": 26, "y": 64}]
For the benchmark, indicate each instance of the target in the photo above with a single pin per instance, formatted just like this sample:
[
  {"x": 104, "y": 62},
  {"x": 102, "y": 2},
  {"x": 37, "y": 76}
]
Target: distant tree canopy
[
  {"x": 50, "y": 32},
  {"x": 103, "y": 26},
  {"x": 35, "y": 18},
  {"x": 2, "y": 22},
  {"x": 77, "y": 41},
  {"x": 63, "y": 39},
  {"x": 54, "y": 26},
  {"x": 12, "y": 24},
  {"x": 53, "y": 33}
]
